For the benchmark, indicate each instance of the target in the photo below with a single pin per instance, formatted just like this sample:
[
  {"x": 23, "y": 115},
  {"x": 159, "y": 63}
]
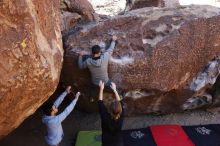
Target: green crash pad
[{"x": 89, "y": 138}]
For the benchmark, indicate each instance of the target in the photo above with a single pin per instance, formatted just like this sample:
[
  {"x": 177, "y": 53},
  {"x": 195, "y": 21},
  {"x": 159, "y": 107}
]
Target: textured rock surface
[
  {"x": 30, "y": 58},
  {"x": 108, "y": 7},
  {"x": 137, "y": 4},
  {"x": 215, "y": 3},
  {"x": 69, "y": 20},
  {"x": 206, "y": 87},
  {"x": 160, "y": 53},
  {"x": 74, "y": 11}
]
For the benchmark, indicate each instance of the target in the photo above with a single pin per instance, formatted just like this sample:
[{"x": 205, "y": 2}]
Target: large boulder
[
  {"x": 75, "y": 11},
  {"x": 69, "y": 20},
  {"x": 82, "y": 7},
  {"x": 164, "y": 56},
  {"x": 30, "y": 59},
  {"x": 137, "y": 4}
]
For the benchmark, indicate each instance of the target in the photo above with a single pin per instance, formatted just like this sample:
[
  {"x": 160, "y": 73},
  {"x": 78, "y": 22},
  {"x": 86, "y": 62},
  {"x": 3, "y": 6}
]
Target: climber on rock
[
  {"x": 98, "y": 66},
  {"x": 53, "y": 121}
]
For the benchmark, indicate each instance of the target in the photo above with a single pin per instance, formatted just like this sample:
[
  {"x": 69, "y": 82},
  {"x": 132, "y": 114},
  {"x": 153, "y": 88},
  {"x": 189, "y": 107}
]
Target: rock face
[
  {"x": 108, "y": 7},
  {"x": 137, "y": 4},
  {"x": 74, "y": 11},
  {"x": 30, "y": 58},
  {"x": 160, "y": 56},
  {"x": 69, "y": 20}
]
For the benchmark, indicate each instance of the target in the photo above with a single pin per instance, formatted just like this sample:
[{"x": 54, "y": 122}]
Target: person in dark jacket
[
  {"x": 112, "y": 119},
  {"x": 97, "y": 65}
]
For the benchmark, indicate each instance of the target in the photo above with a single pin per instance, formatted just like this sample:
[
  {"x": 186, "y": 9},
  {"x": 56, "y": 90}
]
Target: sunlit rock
[
  {"x": 31, "y": 56},
  {"x": 160, "y": 55}
]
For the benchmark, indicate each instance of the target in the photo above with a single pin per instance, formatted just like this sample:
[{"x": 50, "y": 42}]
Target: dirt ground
[{"x": 31, "y": 131}]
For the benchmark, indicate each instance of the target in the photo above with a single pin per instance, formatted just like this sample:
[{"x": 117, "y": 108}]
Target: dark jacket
[{"x": 111, "y": 129}]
